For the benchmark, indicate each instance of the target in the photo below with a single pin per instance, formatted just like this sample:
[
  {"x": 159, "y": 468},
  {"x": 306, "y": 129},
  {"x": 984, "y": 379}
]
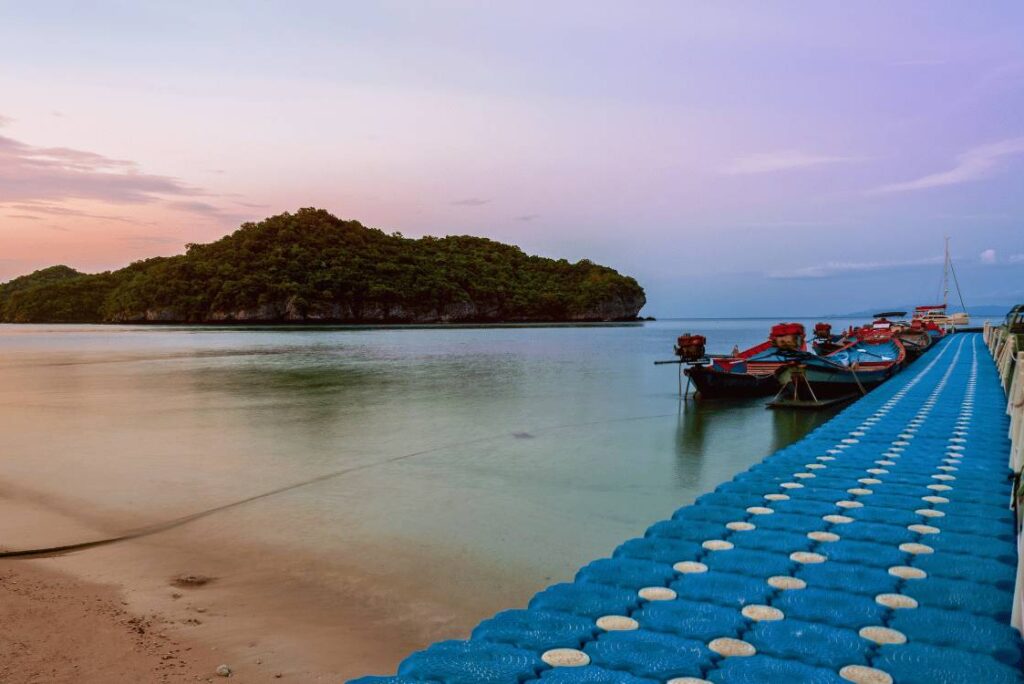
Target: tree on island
[{"x": 310, "y": 266}]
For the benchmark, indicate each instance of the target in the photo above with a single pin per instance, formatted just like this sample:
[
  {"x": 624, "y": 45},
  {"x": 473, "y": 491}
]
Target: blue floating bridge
[{"x": 879, "y": 548}]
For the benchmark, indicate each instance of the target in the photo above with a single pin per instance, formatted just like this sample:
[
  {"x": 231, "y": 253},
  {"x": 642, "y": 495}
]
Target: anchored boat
[
  {"x": 869, "y": 359},
  {"x": 914, "y": 337},
  {"x": 749, "y": 373},
  {"x": 824, "y": 341}
]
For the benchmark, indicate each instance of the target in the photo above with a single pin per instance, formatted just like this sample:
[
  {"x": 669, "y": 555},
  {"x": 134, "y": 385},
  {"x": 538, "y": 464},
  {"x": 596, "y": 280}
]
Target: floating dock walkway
[{"x": 879, "y": 548}]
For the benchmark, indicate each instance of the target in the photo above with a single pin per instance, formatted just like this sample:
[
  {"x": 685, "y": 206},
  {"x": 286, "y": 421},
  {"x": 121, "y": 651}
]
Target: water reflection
[
  {"x": 790, "y": 425},
  {"x": 540, "y": 448},
  {"x": 710, "y": 433}
]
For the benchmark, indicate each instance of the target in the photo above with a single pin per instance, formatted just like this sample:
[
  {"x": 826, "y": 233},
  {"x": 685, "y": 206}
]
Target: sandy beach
[
  {"x": 174, "y": 607},
  {"x": 55, "y": 628}
]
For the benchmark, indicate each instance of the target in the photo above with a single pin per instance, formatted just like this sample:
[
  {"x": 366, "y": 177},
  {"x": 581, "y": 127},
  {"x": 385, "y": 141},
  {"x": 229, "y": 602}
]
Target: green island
[{"x": 312, "y": 267}]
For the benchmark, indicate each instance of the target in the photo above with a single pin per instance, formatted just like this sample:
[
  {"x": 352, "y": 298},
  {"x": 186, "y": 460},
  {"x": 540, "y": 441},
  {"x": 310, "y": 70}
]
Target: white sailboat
[{"x": 937, "y": 313}]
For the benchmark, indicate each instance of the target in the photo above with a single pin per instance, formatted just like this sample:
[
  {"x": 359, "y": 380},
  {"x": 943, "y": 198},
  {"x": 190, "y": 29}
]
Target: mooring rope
[{"x": 148, "y": 530}]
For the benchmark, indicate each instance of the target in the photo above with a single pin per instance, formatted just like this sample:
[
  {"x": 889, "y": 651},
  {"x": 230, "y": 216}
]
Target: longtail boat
[
  {"x": 746, "y": 374},
  {"x": 825, "y": 341},
  {"x": 869, "y": 359},
  {"x": 914, "y": 337}
]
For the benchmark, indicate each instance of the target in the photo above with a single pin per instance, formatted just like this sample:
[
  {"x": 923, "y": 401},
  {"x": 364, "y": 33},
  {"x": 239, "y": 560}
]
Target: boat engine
[
  {"x": 788, "y": 336},
  {"x": 690, "y": 348},
  {"x": 823, "y": 331}
]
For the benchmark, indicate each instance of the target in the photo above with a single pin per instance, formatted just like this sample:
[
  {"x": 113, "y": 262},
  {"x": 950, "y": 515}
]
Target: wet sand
[
  {"x": 119, "y": 613},
  {"x": 55, "y": 628}
]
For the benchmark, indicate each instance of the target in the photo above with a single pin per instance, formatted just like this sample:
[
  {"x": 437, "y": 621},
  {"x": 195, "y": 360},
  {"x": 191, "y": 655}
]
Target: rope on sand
[{"x": 50, "y": 551}]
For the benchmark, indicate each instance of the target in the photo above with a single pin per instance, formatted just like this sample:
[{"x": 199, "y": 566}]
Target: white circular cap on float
[
  {"x": 786, "y": 582},
  {"x": 689, "y": 567},
  {"x": 895, "y": 601},
  {"x": 907, "y": 572},
  {"x": 930, "y": 513},
  {"x": 807, "y": 557},
  {"x": 883, "y": 635},
  {"x": 859, "y": 491},
  {"x": 565, "y": 657},
  {"x": 617, "y": 623},
  {"x": 935, "y": 499},
  {"x": 760, "y": 613},
  {"x": 760, "y": 510},
  {"x": 924, "y": 529},
  {"x": 915, "y": 548},
  {"x": 837, "y": 519},
  {"x": 717, "y": 545},
  {"x": 729, "y": 647},
  {"x": 740, "y": 526},
  {"x": 861, "y": 674},
  {"x": 657, "y": 594},
  {"x": 776, "y": 497}
]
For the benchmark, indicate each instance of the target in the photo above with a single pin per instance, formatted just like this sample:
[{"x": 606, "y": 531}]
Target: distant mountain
[{"x": 313, "y": 267}]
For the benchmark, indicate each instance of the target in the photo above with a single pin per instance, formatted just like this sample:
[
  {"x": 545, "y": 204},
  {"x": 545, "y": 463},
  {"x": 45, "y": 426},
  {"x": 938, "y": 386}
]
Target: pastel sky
[{"x": 738, "y": 158}]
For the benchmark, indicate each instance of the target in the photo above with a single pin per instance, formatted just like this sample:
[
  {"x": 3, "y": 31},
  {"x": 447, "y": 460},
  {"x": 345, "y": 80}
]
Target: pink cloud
[{"x": 32, "y": 174}]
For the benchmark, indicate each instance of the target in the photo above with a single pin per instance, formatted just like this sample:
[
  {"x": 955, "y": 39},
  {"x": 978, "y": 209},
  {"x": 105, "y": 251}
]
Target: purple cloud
[
  {"x": 32, "y": 174},
  {"x": 973, "y": 164},
  {"x": 37, "y": 208},
  {"x": 837, "y": 268}
]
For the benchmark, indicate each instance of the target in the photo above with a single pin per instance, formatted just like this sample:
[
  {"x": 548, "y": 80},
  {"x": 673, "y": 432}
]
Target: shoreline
[
  {"x": 337, "y": 325},
  {"x": 269, "y": 614}
]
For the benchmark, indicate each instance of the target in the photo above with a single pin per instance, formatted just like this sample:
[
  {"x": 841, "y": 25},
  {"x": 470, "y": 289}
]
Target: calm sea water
[{"x": 478, "y": 457}]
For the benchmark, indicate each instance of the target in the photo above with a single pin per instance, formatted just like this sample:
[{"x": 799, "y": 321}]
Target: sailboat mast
[{"x": 945, "y": 277}]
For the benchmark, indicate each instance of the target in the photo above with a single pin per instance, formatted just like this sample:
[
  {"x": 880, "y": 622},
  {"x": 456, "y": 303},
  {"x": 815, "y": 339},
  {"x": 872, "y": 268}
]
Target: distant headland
[{"x": 312, "y": 267}]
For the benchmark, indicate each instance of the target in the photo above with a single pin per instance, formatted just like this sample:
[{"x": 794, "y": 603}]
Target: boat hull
[
  {"x": 717, "y": 384},
  {"x": 830, "y": 383},
  {"x": 916, "y": 343}
]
